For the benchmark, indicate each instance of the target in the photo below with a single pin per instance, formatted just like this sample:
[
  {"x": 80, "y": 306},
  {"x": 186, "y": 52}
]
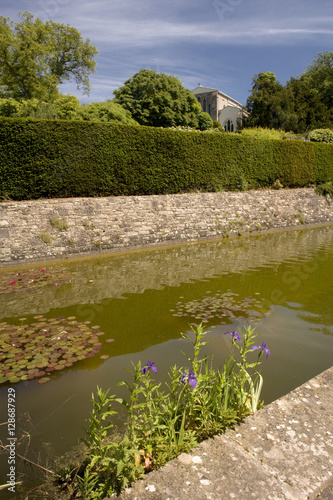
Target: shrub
[
  {"x": 321, "y": 135},
  {"x": 263, "y": 133},
  {"x": 61, "y": 159},
  {"x": 217, "y": 125},
  {"x": 325, "y": 189},
  {"x": 205, "y": 121}
]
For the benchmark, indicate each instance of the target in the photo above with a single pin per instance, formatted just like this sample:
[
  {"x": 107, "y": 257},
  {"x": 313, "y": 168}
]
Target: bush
[
  {"x": 205, "y": 121},
  {"x": 325, "y": 189},
  {"x": 321, "y": 135},
  {"x": 61, "y": 159},
  {"x": 218, "y": 126},
  {"x": 263, "y": 133}
]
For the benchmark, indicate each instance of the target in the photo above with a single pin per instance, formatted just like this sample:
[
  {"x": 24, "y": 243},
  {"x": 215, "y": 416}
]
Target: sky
[{"x": 220, "y": 44}]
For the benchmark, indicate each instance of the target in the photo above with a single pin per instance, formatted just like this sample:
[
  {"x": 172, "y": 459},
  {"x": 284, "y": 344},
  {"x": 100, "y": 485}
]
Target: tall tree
[
  {"x": 37, "y": 56},
  {"x": 298, "y": 106},
  {"x": 269, "y": 104},
  {"x": 319, "y": 75},
  {"x": 158, "y": 100},
  {"x": 310, "y": 110}
]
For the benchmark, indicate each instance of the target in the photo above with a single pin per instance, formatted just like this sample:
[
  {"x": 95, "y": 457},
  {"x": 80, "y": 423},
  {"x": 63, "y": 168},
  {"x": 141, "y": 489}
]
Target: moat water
[{"x": 281, "y": 283}]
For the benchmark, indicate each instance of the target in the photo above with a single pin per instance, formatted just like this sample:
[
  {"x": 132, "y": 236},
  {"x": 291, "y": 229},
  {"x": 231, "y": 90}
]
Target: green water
[{"x": 280, "y": 282}]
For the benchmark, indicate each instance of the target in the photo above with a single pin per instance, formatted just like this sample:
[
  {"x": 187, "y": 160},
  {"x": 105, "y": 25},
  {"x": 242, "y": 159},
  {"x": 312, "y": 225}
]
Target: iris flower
[
  {"x": 148, "y": 366},
  {"x": 262, "y": 347},
  {"x": 191, "y": 378},
  {"x": 234, "y": 335}
]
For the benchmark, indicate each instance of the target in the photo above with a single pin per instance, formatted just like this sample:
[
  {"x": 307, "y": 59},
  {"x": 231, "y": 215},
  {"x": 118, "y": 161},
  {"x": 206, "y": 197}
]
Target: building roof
[{"x": 204, "y": 90}]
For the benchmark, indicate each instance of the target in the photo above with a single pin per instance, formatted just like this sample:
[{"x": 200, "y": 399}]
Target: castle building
[{"x": 220, "y": 107}]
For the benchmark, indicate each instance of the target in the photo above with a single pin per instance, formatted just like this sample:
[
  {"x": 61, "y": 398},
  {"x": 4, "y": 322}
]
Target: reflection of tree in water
[
  {"x": 312, "y": 291},
  {"x": 16, "y": 281}
]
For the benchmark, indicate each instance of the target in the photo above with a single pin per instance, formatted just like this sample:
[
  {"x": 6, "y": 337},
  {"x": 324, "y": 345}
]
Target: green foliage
[
  {"x": 325, "y": 189},
  {"x": 111, "y": 463},
  {"x": 304, "y": 103},
  {"x": 45, "y": 237},
  {"x": 198, "y": 402},
  {"x": 70, "y": 158},
  {"x": 59, "y": 223},
  {"x": 307, "y": 108},
  {"x": 205, "y": 121},
  {"x": 64, "y": 107},
  {"x": 218, "y": 126},
  {"x": 37, "y": 56},
  {"x": 108, "y": 111},
  {"x": 263, "y": 133},
  {"x": 321, "y": 135},
  {"x": 319, "y": 75},
  {"x": 158, "y": 100},
  {"x": 267, "y": 103}
]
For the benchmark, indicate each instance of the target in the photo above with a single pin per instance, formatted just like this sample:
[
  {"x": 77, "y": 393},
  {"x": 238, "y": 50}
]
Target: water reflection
[{"x": 279, "y": 281}]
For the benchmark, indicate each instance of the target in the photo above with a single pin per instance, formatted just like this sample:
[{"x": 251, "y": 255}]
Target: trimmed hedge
[{"x": 57, "y": 159}]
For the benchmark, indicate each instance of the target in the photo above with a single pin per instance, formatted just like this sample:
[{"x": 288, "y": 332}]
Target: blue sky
[{"x": 219, "y": 43}]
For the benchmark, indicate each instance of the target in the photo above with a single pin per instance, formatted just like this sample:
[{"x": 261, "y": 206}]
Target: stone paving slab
[{"x": 284, "y": 451}]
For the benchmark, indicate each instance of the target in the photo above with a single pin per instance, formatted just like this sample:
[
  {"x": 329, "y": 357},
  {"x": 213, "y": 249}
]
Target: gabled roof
[{"x": 203, "y": 90}]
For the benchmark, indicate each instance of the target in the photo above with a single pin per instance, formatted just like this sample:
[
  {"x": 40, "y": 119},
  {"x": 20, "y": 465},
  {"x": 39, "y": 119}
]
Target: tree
[
  {"x": 310, "y": 110},
  {"x": 65, "y": 107},
  {"x": 107, "y": 111},
  {"x": 320, "y": 77},
  {"x": 270, "y": 104},
  {"x": 37, "y": 56},
  {"x": 158, "y": 100}
]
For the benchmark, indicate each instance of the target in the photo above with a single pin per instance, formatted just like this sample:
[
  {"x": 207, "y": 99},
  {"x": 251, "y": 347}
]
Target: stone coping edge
[{"x": 284, "y": 451}]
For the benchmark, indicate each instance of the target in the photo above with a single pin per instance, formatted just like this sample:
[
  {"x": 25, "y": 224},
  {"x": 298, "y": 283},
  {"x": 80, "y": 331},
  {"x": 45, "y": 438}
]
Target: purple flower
[
  {"x": 262, "y": 347},
  {"x": 191, "y": 378},
  {"x": 234, "y": 335},
  {"x": 148, "y": 366}
]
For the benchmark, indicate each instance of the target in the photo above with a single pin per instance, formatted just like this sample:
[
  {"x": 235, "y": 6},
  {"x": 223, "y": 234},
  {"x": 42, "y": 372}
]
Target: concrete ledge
[{"x": 284, "y": 451}]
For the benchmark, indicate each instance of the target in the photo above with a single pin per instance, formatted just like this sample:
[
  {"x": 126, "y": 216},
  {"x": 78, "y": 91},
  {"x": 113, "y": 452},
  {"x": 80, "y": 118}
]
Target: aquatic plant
[
  {"x": 221, "y": 307},
  {"x": 26, "y": 279},
  {"x": 197, "y": 402},
  {"x": 29, "y": 351}
]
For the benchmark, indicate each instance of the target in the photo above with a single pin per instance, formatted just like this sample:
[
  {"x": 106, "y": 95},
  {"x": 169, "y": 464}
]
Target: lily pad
[
  {"x": 44, "y": 380},
  {"x": 31, "y": 351},
  {"x": 221, "y": 306},
  {"x": 33, "y": 278}
]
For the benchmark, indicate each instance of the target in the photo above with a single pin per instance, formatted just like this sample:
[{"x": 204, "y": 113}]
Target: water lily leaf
[
  {"x": 29, "y": 351},
  {"x": 44, "y": 380},
  {"x": 226, "y": 306}
]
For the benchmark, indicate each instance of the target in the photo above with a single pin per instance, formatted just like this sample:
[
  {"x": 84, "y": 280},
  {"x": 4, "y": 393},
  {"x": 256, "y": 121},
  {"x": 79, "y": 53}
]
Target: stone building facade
[{"x": 220, "y": 107}]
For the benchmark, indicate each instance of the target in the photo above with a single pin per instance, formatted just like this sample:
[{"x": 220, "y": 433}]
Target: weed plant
[
  {"x": 325, "y": 189},
  {"x": 196, "y": 403},
  {"x": 58, "y": 223}
]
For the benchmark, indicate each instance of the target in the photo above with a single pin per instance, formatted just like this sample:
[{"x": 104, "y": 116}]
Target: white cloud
[
  {"x": 127, "y": 33},
  {"x": 188, "y": 38}
]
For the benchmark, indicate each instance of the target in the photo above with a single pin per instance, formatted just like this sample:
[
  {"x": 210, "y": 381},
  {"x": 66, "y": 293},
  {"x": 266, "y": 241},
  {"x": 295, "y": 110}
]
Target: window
[
  {"x": 209, "y": 108},
  {"x": 204, "y": 105},
  {"x": 228, "y": 126}
]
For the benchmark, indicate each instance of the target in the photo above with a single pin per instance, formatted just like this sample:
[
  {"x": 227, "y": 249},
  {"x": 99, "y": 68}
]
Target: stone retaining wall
[{"x": 47, "y": 229}]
